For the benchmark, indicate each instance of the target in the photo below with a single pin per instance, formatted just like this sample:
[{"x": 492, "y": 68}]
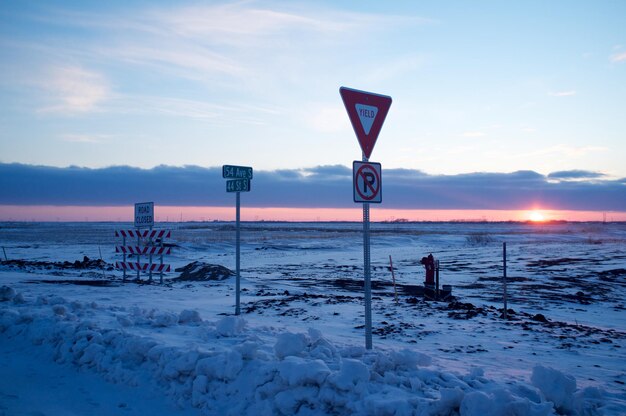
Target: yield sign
[{"x": 367, "y": 112}]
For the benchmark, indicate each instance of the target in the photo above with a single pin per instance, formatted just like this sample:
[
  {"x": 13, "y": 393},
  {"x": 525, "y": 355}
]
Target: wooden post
[
  {"x": 437, "y": 279},
  {"x": 101, "y": 261},
  {"x": 124, "y": 251},
  {"x": 149, "y": 244},
  {"x": 161, "y": 260},
  {"x": 138, "y": 257},
  {"x": 504, "y": 279},
  {"x": 393, "y": 276}
]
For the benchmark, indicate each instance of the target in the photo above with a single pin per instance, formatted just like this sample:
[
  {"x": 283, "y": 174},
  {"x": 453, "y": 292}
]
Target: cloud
[
  {"x": 229, "y": 22},
  {"x": 84, "y": 138},
  {"x": 394, "y": 68},
  {"x": 562, "y": 150},
  {"x": 328, "y": 118},
  {"x": 231, "y": 39},
  {"x": 195, "y": 58},
  {"x": 473, "y": 134},
  {"x": 569, "y": 93},
  {"x": 618, "y": 57},
  {"x": 317, "y": 187},
  {"x": 566, "y": 175},
  {"x": 194, "y": 109},
  {"x": 217, "y": 53},
  {"x": 73, "y": 89},
  {"x": 241, "y": 22}
]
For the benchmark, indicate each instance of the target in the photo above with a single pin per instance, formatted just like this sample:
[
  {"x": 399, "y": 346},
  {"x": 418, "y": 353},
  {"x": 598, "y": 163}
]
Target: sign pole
[
  {"x": 367, "y": 112},
  {"x": 366, "y": 267},
  {"x": 238, "y": 256},
  {"x": 239, "y": 178},
  {"x": 504, "y": 278}
]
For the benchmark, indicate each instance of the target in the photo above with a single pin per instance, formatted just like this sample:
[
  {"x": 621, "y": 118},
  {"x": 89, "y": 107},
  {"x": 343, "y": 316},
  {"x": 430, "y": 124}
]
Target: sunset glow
[
  {"x": 182, "y": 214},
  {"x": 536, "y": 216}
]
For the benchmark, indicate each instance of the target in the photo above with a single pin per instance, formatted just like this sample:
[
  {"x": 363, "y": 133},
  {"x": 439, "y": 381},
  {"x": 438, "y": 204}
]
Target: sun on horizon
[{"x": 536, "y": 216}]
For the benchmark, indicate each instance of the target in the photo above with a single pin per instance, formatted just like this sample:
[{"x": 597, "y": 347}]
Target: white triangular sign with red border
[{"x": 367, "y": 112}]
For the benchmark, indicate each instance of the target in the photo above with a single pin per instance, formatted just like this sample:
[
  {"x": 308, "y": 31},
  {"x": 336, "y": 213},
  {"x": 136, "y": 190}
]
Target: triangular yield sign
[{"x": 367, "y": 112}]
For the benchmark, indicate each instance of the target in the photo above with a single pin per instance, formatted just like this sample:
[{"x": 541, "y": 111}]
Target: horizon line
[
  {"x": 453, "y": 221},
  {"x": 179, "y": 214}
]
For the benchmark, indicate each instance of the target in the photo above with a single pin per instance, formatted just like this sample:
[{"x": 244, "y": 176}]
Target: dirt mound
[
  {"x": 199, "y": 271},
  {"x": 87, "y": 263}
]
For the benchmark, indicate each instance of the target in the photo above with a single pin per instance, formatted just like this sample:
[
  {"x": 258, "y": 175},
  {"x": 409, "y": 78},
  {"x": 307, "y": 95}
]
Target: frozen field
[{"x": 101, "y": 345}]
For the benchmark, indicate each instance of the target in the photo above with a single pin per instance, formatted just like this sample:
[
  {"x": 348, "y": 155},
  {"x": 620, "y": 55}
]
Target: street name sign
[
  {"x": 236, "y": 172},
  {"x": 239, "y": 178},
  {"x": 144, "y": 215},
  {"x": 367, "y": 112},
  {"x": 238, "y": 185},
  {"x": 367, "y": 180}
]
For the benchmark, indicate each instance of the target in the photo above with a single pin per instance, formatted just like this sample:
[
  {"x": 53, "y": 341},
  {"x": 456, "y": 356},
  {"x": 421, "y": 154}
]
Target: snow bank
[
  {"x": 6, "y": 293},
  {"x": 557, "y": 387},
  {"x": 238, "y": 370}
]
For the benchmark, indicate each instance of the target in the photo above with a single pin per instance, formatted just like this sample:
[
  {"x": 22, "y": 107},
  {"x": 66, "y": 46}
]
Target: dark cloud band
[{"x": 318, "y": 187}]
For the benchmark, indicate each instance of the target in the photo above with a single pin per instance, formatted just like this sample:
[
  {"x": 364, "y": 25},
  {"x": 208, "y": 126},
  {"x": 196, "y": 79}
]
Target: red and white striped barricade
[
  {"x": 143, "y": 250},
  {"x": 129, "y": 265},
  {"x": 149, "y": 243},
  {"x": 152, "y": 234}
]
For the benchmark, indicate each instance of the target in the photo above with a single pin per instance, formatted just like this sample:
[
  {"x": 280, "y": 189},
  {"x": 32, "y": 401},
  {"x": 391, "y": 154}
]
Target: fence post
[
  {"x": 101, "y": 262},
  {"x": 393, "y": 276},
  {"x": 437, "y": 279}
]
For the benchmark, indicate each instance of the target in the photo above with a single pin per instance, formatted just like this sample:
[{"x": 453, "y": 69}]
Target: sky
[{"x": 496, "y": 105}]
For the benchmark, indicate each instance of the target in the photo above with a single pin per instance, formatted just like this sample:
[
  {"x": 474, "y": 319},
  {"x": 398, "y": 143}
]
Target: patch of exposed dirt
[
  {"x": 199, "y": 272},
  {"x": 85, "y": 264},
  {"x": 97, "y": 283}
]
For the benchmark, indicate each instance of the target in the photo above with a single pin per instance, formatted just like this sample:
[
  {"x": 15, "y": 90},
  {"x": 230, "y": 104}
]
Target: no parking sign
[{"x": 367, "y": 181}]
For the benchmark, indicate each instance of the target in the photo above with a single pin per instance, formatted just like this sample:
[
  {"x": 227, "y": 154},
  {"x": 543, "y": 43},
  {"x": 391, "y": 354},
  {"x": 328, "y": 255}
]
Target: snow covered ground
[{"x": 75, "y": 340}]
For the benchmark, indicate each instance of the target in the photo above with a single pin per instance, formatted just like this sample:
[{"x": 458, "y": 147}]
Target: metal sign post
[
  {"x": 241, "y": 183},
  {"x": 367, "y": 112},
  {"x": 367, "y": 273},
  {"x": 238, "y": 257},
  {"x": 367, "y": 189},
  {"x": 505, "y": 315}
]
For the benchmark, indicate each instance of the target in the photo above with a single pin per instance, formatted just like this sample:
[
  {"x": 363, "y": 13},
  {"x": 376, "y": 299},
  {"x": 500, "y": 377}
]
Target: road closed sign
[
  {"x": 144, "y": 214},
  {"x": 367, "y": 182}
]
